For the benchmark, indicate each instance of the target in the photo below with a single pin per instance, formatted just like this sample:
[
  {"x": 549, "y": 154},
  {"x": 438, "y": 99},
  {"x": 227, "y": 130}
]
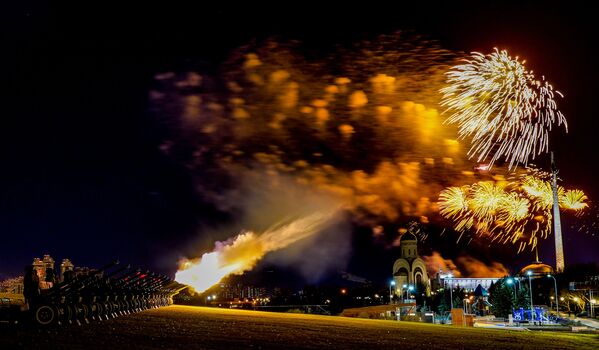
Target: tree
[
  {"x": 501, "y": 298},
  {"x": 522, "y": 299},
  {"x": 444, "y": 304}
]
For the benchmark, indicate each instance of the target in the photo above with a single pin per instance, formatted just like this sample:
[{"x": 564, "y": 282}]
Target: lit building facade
[
  {"x": 468, "y": 283},
  {"x": 12, "y": 285},
  {"x": 409, "y": 269}
]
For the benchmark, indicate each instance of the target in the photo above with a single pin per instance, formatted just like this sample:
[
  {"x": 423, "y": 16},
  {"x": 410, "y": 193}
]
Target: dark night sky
[{"x": 81, "y": 175}]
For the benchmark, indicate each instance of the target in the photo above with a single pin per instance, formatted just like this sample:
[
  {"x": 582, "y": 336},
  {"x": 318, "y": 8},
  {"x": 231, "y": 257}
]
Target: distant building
[
  {"x": 46, "y": 272},
  {"x": 589, "y": 283},
  {"x": 239, "y": 291},
  {"x": 48, "y": 262},
  {"x": 12, "y": 285},
  {"x": 468, "y": 283},
  {"x": 409, "y": 269},
  {"x": 65, "y": 266},
  {"x": 82, "y": 271},
  {"x": 536, "y": 268},
  {"x": 39, "y": 267}
]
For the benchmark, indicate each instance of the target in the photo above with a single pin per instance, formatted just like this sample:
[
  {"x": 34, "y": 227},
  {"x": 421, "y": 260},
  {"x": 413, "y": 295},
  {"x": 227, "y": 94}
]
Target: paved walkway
[{"x": 589, "y": 322}]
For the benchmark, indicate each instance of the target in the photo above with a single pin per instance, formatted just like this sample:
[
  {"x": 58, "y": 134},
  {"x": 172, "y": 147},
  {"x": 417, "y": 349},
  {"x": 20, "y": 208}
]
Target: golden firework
[
  {"x": 514, "y": 212},
  {"x": 573, "y": 199},
  {"x": 502, "y": 107}
]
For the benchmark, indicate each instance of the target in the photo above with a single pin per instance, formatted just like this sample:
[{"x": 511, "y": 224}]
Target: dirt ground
[{"x": 185, "y": 327}]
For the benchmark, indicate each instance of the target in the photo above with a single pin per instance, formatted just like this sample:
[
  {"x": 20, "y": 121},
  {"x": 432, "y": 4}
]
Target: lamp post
[
  {"x": 410, "y": 289},
  {"x": 532, "y": 308},
  {"x": 510, "y": 281},
  {"x": 592, "y": 303},
  {"x": 405, "y": 288},
  {"x": 391, "y": 286},
  {"x": 450, "y": 276},
  {"x": 575, "y": 304},
  {"x": 556, "y": 299}
]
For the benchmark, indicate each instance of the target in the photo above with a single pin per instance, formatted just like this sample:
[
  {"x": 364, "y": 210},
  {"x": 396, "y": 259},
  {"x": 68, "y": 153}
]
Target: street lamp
[
  {"x": 532, "y": 308},
  {"x": 510, "y": 281},
  {"x": 391, "y": 285},
  {"x": 450, "y": 276},
  {"x": 556, "y": 302},
  {"x": 411, "y": 288}
]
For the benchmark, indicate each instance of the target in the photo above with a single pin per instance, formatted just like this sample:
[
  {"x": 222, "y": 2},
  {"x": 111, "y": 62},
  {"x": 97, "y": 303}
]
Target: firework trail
[{"x": 502, "y": 107}]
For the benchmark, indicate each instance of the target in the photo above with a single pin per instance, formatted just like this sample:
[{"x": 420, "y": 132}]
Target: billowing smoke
[
  {"x": 279, "y": 220},
  {"x": 436, "y": 263},
  {"x": 464, "y": 266},
  {"x": 476, "y": 268},
  {"x": 359, "y": 122}
]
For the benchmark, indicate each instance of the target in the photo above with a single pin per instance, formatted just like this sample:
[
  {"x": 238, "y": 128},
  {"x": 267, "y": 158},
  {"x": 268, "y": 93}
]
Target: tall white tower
[{"x": 557, "y": 224}]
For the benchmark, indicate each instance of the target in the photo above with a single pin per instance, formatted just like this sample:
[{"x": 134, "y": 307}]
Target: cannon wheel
[{"x": 45, "y": 315}]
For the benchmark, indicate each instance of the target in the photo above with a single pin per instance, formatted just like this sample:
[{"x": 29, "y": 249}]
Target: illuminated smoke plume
[
  {"x": 464, "y": 266},
  {"x": 359, "y": 122},
  {"x": 241, "y": 253},
  {"x": 436, "y": 263}
]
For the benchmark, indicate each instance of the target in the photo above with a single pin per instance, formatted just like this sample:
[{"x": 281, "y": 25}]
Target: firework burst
[
  {"x": 573, "y": 199},
  {"x": 518, "y": 211},
  {"x": 506, "y": 111}
]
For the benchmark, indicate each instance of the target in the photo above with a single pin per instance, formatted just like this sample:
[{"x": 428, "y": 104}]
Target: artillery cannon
[{"x": 105, "y": 293}]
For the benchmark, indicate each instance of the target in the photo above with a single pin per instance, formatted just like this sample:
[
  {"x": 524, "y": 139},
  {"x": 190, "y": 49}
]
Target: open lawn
[{"x": 185, "y": 327}]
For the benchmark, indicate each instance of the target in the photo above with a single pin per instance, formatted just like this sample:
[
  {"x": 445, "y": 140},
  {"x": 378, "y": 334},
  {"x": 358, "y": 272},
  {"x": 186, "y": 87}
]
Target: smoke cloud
[
  {"x": 278, "y": 133},
  {"x": 282, "y": 216},
  {"x": 464, "y": 266}
]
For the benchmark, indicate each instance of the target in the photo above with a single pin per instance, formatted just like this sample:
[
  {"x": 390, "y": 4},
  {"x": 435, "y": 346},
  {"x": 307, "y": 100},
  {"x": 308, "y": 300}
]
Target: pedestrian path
[{"x": 587, "y": 322}]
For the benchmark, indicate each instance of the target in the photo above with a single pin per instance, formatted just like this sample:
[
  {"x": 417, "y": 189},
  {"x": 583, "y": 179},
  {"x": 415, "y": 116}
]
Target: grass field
[{"x": 185, "y": 327}]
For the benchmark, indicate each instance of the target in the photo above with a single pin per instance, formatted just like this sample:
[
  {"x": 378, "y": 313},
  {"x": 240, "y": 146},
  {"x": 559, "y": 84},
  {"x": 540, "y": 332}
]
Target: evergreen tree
[
  {"x": 458, "y": 298},
  {"x": 522, "y": 299},
  {"x": 444, "y": 304},
  {"x": 501, "y": 298}
]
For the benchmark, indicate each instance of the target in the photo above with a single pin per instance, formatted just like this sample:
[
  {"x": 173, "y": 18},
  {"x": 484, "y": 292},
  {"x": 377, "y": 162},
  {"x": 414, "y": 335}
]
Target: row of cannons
[{"x": 103, "y": 294}]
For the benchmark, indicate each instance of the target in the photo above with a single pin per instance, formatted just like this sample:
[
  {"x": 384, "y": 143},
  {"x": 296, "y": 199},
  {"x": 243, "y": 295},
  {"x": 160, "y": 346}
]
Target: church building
[{"x": 409, "y": 269}]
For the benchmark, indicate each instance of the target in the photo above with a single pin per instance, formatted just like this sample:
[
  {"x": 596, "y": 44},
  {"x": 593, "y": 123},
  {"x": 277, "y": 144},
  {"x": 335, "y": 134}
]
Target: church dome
[
  {"x": 408, "y": 236},
  {"x": 537, "y": 268}
]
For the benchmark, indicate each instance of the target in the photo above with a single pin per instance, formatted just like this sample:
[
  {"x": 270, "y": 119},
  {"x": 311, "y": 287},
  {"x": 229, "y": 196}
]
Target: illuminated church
[{"x": 409, "y": 269}]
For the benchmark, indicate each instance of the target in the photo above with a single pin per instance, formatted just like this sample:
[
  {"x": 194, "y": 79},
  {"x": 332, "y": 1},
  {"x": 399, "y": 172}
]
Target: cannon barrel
[
  {"x": 105, "y": 293},
  {"x": 129, "y": 278},
  {"x": 68, "y": 287},
  {"x": 156, "y": 282},
  {"x": 120, "y": 280},
  {"x": 135, "y": 279}
]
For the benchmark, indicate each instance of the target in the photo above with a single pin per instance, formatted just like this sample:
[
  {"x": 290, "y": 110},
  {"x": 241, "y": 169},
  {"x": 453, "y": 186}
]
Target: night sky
[{"x": 82, "y": 175}]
